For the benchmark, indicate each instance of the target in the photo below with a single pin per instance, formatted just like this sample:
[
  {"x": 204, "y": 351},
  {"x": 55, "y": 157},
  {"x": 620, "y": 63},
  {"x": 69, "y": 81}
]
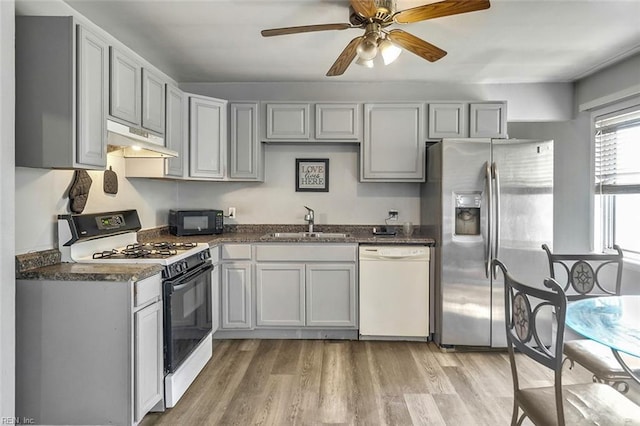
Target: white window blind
[{"x": 617, "y": 152}]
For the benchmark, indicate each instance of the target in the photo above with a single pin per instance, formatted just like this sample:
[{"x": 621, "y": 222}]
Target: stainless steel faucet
[{"x": 309, "y": 217}]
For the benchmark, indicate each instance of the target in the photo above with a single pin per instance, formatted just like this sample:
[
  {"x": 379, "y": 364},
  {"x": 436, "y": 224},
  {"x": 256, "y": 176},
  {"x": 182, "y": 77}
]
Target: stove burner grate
[{"x": 105, "y": 254}]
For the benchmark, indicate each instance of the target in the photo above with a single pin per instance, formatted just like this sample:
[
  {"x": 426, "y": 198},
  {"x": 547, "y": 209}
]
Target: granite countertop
[
  {"x": 46, "y": 265},
  {"x": 356, "y": 234}
]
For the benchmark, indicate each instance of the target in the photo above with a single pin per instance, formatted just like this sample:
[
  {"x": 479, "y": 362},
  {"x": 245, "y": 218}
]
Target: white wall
[
  {"x": 571, "y": 198},
  {"x": 7, "y": 273},
  {"x": 43, "y": 194},
  {"x": 573, "y": 161},
  {"x": 611, "y": 84},
  {"x": 526, "y": 102},
  {"x": 276, "y": 201}
]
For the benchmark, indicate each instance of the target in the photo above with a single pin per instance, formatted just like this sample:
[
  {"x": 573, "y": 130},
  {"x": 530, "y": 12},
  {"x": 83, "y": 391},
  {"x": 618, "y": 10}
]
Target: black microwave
[{"x": 195, "y": 222}]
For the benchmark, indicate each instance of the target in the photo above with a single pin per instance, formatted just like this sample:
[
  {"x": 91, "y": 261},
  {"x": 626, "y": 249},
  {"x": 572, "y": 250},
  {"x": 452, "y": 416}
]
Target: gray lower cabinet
[
  {"x": 61, "y": 94},
  {"x": 306, "y": 285},
  {"x": 147, "y": 359},
  {"x": 280, "y": 294},
  {"x": 92, "y": 351},
  {"x": 331, "y": 295},
  {"x": 236, "y": 303}
]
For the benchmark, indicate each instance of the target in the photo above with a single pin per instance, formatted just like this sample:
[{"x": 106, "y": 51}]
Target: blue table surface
[{"x": 613, "y": 321}]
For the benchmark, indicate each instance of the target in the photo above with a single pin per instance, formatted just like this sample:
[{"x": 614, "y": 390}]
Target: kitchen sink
[{"x": 301, "y": 235}]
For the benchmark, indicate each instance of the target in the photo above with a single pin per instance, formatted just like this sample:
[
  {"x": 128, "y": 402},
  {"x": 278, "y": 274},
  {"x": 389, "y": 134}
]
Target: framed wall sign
[{"x": 312, "y": 175}]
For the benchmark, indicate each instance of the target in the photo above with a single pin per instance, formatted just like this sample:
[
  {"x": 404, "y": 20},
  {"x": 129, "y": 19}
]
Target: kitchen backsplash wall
[
  {"x": 276, "y": 200},
  {"x": 42, "y": 194}
]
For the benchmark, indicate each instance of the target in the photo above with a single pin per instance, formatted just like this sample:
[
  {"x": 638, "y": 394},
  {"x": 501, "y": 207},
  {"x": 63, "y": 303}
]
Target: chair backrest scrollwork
[{"x": 587, "y": 275}]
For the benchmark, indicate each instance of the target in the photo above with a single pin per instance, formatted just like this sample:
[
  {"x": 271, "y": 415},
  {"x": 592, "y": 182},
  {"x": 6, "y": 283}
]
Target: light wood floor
[{"x": 282, "y": 382}]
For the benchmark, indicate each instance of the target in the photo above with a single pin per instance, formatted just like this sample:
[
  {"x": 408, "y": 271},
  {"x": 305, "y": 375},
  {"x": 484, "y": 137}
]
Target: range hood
[{"x": 134, "y": 142}]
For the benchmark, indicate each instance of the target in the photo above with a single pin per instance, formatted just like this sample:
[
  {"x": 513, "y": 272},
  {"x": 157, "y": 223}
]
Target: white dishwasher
[{"x": 394, "y": 292}]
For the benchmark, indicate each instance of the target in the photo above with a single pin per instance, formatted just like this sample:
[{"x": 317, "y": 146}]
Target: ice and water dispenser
[{"x": 467, "y": 214}]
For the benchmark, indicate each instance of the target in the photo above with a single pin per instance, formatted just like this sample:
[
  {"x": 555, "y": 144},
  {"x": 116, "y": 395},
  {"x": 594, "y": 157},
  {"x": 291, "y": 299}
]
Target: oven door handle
[{"x": 174, "y": 286}]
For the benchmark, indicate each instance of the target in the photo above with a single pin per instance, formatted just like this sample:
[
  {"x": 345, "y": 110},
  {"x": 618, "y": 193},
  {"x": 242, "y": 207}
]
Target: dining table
[{"x": 613, "y": 321}]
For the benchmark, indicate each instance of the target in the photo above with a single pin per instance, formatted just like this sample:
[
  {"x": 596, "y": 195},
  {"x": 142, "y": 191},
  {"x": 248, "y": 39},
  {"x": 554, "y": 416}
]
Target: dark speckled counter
[
  {"x": 92, "y": 272},
  {"x": 356, "y": 234},
  {"x": 46, "y": 265}
]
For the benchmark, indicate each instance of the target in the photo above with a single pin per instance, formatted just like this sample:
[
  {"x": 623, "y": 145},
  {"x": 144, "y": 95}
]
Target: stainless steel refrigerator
[{"x": 485, "y": 199}]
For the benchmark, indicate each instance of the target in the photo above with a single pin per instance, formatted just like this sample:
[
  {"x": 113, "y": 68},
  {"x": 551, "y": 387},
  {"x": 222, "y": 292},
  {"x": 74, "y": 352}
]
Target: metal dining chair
[
  {"x": 592, "y": 275},
  {"x": 580, "y": 404}
]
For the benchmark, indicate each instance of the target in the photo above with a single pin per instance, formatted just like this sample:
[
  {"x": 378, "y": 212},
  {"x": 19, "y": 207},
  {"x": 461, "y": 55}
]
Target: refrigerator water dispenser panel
[{"x": 467, "y": 214}]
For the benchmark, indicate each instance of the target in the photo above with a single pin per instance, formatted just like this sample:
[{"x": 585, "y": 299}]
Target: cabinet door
[
  {"x": 148, "y": 359},
  {"x": 447, "y": 120},
  {"x": 245, "y": 149},
  {"x": 338, "y": 121},
  {"x": 280, "y": 299},
  {"x": 152, "y": 102},
  {"x": 488, "y": 120},
  {"x": 236, "y": 295},
  {"x": 288, "y": 121},
  {"x": 175, "y": 130},
  {"x": 92, "y": 80},
  {"x": 331, "y": 295},
  {"x": 215, "y": 297},
  {"x": 125, "y": 94},
  {"x": 393, "y": 148},
  {"x": 207, "y": 137}
]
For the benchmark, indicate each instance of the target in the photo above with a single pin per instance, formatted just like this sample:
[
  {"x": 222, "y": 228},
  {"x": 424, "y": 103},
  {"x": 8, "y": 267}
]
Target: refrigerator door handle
[
  {"x": 489, "y": 188},
  {"x": 496, "y": 182}
]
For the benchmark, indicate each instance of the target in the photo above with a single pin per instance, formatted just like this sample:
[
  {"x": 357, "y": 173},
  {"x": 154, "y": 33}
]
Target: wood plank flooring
[{"x": 283, "y": 382}]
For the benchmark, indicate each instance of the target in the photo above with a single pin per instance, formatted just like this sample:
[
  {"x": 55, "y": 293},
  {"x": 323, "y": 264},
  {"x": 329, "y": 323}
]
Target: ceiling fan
[{"x": 374, "y": 16}]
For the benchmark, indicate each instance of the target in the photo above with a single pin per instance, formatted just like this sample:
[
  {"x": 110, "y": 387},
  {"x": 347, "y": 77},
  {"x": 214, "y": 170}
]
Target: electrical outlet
[
  {"x": 393, "y": 215},
  {"x": 232, "y": 212}
]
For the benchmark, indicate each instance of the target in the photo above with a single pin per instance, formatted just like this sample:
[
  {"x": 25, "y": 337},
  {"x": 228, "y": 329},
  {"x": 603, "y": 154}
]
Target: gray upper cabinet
[
  {"x": 488, "y": 120},
  {"x": 125, "y": 92},
  {"x": 246, "y": 159},
  {"x": 338, "y": 122},
  {"x": 448, "y": 120},
  {"x": 153, "y": 102},
  {"x": 175, "y": 131},
  {"x": 207, "y": 137},
  {"x": 393, "y": 149},
  {"x": 61, "y": 94},
  {"x": 287, "y": 121}
]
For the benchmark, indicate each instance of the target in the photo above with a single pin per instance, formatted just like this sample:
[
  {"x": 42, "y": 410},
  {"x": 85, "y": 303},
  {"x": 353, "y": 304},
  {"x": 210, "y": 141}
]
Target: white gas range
[{"x": 186, "y": 279}]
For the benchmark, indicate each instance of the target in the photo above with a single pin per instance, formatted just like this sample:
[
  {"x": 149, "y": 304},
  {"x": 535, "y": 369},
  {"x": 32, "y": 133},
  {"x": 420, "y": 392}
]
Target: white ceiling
[{"x": 514, "y": 41}]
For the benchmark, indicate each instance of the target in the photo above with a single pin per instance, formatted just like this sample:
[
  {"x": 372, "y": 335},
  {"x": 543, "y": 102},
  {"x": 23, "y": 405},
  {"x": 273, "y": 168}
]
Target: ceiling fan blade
[
  {"x": 346, "y": 57},
  {"x": 366, "y": 8},
  {"x": 416, "y": 45},
  {"x": 304, "y": 29},
  {"x": 440, "y": 9}
]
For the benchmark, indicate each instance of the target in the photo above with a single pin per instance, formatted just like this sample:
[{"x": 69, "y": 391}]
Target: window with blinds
[
  {"x": 617, "y": 179},
  {"x": 617, "y": 152}
]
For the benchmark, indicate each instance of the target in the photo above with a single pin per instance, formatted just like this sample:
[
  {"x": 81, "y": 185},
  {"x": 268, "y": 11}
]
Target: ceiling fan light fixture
[
  {"x": 388, "y": 51},
  {"x": 368, "y": 48},
  {"x": 367, "y": 63}
]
